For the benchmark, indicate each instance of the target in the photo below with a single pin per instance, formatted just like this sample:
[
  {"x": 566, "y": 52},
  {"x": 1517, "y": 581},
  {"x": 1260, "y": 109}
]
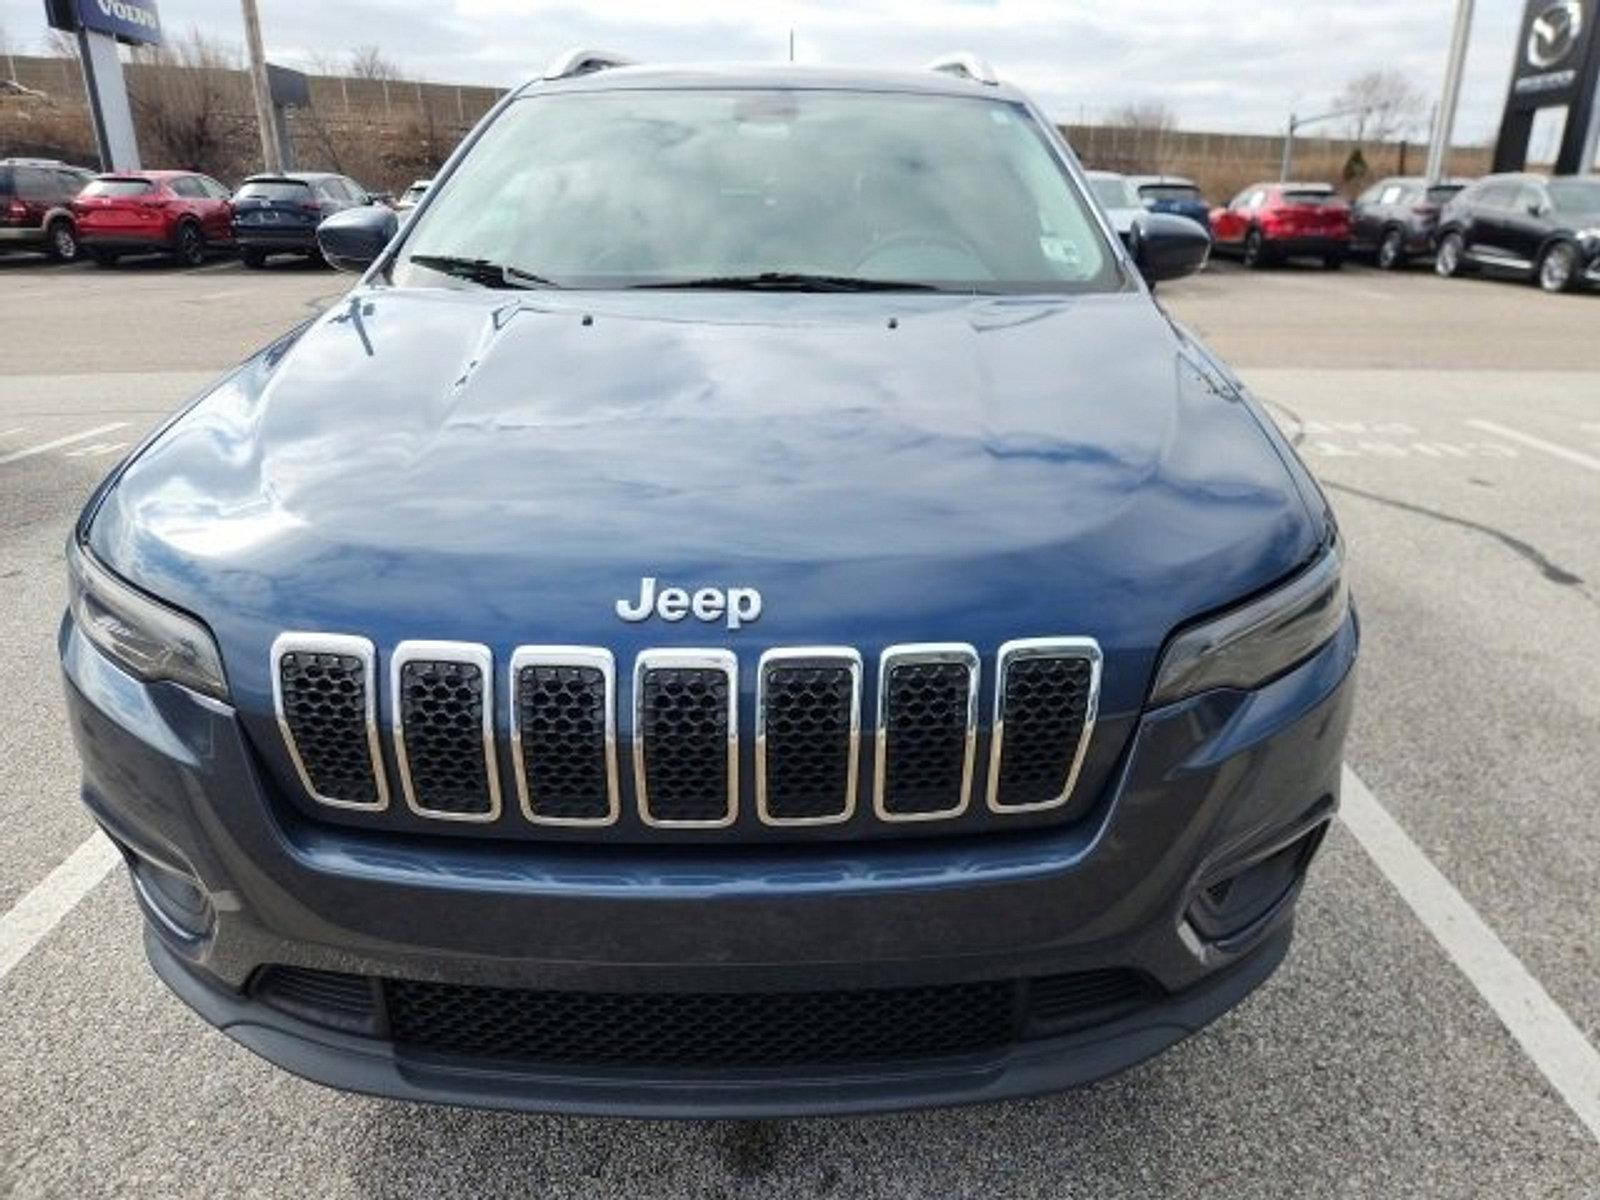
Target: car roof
[
  {"x": 292, "y": 176},
  {"x": 1105, "y": 174},
  {"x": 667, "y": 77},
  {"x": 1162, "y": 180},
  {"x": 147, "y": 176}
]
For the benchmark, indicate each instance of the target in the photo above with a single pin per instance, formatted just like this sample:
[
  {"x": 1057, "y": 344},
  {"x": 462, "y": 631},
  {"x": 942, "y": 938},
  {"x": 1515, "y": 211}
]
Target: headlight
[
  {"x": 146, "y": 637},
  {"x": 1256, "y": 642}
]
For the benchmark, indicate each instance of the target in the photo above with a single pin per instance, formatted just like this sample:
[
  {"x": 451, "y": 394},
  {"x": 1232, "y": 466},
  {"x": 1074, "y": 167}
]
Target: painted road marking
[
  {"x": 1543, "y": 1030},
  {"x": 1527, "y": 439},
  {"x": 95, "y": 450},
  {"x": 43, "y": 908},
  {"x": 59, "y": 442},
  {"x": 5, "y": 433}
]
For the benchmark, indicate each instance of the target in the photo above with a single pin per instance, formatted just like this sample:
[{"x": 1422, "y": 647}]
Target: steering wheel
[{"x": 908, "y": 238}]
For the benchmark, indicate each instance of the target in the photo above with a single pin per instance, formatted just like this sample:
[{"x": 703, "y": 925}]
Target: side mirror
[
  {"x": 352, "y": 240},
  {"x": 1170, "y": 247}
]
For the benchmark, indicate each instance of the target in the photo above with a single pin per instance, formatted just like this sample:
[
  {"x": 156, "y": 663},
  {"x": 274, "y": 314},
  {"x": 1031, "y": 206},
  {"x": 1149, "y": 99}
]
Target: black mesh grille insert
[
  {"x": 807, "y": 714},
  {"x": 441, "y": 713},
  {"x": 325, "y": 707},
  {"x": 1045, "y": 709},
  {"x": 683, "y": 719},
  {"x": 925, "y": 729},
  {"x": 561, "y": 719},
  {"x": 728, "y": 1030}
]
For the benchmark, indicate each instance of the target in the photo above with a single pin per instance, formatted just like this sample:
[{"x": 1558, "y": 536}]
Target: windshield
[
  {"x": 118, "y": 187},
  {"x": 1113, "y": 191},
  {"x": 1169, "y": 191},
  {"x": 1575, "y": 195},
  {"x": 283, "y": 189},
  {"x": 1442, "y": 192},
  {"x": 655, "y": 187}
]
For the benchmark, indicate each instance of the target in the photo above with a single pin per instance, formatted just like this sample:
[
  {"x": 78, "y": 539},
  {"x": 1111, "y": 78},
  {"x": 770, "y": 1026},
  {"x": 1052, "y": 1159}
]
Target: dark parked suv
[
  {"x": 279, "y": 214},
  {"x": 36, "y": 206},
  {"x": 748, "y": 607},
  {"x": 1544, "y": 230},
  {"x": 1395, "y": 219}
]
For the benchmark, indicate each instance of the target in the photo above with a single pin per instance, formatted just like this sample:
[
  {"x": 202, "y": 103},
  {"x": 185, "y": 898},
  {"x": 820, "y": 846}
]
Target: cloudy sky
[{"x": 1219, "y": 65}]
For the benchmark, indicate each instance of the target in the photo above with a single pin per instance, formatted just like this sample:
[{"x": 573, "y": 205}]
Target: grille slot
[
  {"x": 686, "y": 738},
  {"x": 707, "y": 1030},
  {"x": 326, "y": 702},
  {"x": 808, "y": 731},
  {"x": 927, "y": 731},
  {"x": 443, "y": 730},
  {"x": 563, "y": 735},
  {"x": 1047, "y": 692}
]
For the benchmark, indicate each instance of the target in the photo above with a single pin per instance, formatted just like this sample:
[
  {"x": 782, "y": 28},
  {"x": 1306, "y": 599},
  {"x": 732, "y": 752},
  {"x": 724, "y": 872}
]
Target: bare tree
[
  {"x": 369, "y": 62},
  {"x": 1152, "y": 124},
  {"x": 1385, "y": 106},
  {"x": 190, "y": 106}
]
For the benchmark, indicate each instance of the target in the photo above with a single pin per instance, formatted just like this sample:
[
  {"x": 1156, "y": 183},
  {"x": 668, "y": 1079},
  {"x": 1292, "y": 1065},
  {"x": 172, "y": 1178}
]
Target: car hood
[{"x": 503, "y": 468}]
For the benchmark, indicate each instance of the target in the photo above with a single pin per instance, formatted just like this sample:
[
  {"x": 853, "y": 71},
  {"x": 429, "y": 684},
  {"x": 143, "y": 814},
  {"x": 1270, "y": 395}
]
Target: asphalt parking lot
[{"x": 1412, "y": 1044}]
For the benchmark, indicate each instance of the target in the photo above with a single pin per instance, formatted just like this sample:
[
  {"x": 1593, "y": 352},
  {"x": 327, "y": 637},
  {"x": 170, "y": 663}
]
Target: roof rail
[
  {"x": 584, "y": 62},
  {"x": 965, "y": 66}
]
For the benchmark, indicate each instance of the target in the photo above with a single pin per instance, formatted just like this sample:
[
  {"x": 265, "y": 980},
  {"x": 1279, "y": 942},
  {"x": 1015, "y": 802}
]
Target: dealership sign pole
[{"x": 100, "y": 25}]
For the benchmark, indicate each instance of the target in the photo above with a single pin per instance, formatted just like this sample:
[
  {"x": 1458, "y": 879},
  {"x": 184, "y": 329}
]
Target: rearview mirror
[
  {"x": 352, "y": 240},
  {"x": 1170, "y": 247}
]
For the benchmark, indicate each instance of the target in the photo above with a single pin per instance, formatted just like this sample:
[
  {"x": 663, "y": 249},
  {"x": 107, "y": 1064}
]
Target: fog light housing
[
  {"x": 175, "y": 900},
  {"x": 1231, "y": 906}
]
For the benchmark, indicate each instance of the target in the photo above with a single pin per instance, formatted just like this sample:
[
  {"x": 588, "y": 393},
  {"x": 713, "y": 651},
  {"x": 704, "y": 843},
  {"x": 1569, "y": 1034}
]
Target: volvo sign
[
  {"x": 1557, "y": 66},
  {"x": 135, "y": 21},
  {"x": 99, "y": 25}
]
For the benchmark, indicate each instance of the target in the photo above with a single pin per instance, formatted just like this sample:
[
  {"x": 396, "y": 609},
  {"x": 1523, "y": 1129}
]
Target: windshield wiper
[
  {"x": 482, "y": 270},
  {"x": 794, "y": 281}
]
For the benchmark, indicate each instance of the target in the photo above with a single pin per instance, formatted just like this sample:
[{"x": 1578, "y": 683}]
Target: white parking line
[
  {"x": 1527, "y": 439},
  {"x": 1543, "y": 1030},
  {"x": 4, "y": 433},
  {"x": 42, "y": 909},
  {"x": 59, "y": 442}
]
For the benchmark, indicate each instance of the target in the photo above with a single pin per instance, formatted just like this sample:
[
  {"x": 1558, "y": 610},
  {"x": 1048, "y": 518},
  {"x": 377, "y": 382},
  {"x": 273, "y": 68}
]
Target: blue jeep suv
[{"x": 748, "y": 608}]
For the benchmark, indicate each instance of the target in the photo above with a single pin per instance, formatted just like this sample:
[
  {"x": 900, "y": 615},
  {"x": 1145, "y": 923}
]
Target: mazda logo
[{"x": 1554, "y": 34}]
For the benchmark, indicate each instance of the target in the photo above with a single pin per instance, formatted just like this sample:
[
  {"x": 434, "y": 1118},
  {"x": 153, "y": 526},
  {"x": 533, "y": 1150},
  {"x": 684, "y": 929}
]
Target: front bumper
[{"x": 1208, "y": 786}]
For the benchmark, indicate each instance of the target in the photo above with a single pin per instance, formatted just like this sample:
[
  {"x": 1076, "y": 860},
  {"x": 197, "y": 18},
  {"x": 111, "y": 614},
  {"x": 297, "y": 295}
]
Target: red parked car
[
  {"x": 1269, "y": 222},
  {"x": 181, "y": 213}
]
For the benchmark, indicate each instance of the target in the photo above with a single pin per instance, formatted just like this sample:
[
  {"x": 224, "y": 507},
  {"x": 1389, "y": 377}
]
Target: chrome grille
[
  {"x": 444, "y": 730},
  {"x": 563, "y": 735},
  {"x": 1046, "y": 693},
  {"x": 326, "y": 702},
  {"x": 686, "y": 738},
  {"x": 561, "y": 715},
  {"x": 808, "y": 732},
  {"x": 927, "y": 730}
]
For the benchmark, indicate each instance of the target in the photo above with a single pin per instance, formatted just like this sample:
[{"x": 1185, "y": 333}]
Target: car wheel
[
  {"x": 1452, "y": 250},
  {"x": 1255, "y": 249},
  {"x": 104, "y": 258},
  {"x": 1558, "y": 268},
  {"x": 254, "y": 259},
  {"x": 1392, "y": 251},
  {"x": 63, "y": 241},
  {"x": 191, "y": 248}
]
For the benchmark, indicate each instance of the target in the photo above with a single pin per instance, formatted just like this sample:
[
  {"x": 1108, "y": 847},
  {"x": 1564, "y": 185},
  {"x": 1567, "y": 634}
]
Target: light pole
[
  {"x": 1298, "y": 123},
  {"x": 271, "y": 152},
  {"x": 1444, "y": 124}
]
